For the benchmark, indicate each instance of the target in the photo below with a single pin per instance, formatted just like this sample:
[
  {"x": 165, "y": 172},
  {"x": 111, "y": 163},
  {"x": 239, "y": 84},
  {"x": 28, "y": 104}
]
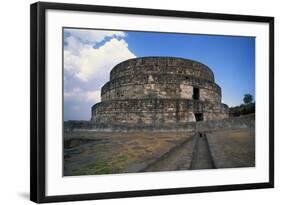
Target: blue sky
[{"x": 89, "y": 55}]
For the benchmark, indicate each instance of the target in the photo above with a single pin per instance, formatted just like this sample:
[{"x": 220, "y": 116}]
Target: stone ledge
[
  {"x": 143, "y": 79},
  {"x": 242, "y": 122},
  {"x": 160, "y": 62}
]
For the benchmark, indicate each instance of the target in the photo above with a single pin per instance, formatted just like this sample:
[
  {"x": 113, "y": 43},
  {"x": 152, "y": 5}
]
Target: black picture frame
[{"x": 38, "y": 101}]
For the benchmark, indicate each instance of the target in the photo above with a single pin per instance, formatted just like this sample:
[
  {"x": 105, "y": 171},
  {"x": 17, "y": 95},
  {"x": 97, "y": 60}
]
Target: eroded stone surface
[{"x": 159, "y": 90}]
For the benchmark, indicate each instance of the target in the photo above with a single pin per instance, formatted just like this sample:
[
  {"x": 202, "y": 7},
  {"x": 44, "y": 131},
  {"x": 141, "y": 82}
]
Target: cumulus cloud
[
  {"x": 93, "y": 96},
  {"x": 93, "y": 36},
  {"x": 88, "y": 62},
  {"x": 78, "y": 103},
  {"x": 87, "y": 96},
  {"x": 89, "y": 55}
]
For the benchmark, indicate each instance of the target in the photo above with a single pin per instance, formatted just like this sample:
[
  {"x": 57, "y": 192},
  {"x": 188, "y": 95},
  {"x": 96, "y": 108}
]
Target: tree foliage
[
  {"x": 248, "y": 98},
  {"x": 244, "y": 109}
]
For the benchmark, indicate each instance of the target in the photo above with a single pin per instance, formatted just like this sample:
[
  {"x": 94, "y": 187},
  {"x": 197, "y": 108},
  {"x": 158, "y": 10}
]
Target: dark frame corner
[{"x": 37, "y": 101}]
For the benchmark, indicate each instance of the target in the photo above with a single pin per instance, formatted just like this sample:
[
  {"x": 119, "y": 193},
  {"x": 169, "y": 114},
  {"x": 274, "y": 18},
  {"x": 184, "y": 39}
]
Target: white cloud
[
  {"x": 93, "y": 96},
  {"x": 86, "y": 62},
  {"x": 89, "y": 55},
  {"x": 74, "y": 45},
  {"x": 93, "y": 36},
  {"x": 78, "y": 95},
  {"x": 74, "y": 92}
]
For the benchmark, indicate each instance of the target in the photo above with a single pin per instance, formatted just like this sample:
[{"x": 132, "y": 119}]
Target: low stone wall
[
  {"x": 247, "y": 121},
  {"x": 241, "y": 122},
  {"x": 151, "y": 111}
]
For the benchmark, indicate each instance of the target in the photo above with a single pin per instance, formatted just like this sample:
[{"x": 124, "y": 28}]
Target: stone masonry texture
[{"x": 159, "y": 90}]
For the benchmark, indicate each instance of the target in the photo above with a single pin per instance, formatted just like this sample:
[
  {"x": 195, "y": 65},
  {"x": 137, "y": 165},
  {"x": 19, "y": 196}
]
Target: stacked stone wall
[
  {"x": 160, "y": 86},
  {"x": 159, "y": 90},
  {"x": 164, "y": 65},
  {"x": 241, "y": 122},
  {"x": 156, "y": 111}
]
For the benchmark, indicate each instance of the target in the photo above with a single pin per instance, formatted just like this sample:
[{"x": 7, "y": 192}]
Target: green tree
[{"x": 248, "y": 98}]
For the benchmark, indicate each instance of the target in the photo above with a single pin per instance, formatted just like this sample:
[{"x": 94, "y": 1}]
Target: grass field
[
  {"x": 87, "y": 153},
  {"x": 91, "y": 153}
]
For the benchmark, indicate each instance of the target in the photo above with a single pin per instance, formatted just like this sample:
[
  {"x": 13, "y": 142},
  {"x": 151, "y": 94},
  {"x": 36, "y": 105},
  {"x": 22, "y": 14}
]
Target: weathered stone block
[{"x": 159, "y": 90}]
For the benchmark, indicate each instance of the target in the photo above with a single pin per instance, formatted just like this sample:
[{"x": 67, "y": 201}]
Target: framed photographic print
[{"x": 129, "y": 102}]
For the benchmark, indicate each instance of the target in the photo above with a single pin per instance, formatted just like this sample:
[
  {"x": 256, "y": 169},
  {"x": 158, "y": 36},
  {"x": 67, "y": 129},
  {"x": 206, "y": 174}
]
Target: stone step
[{"x": 201, "y": 157}]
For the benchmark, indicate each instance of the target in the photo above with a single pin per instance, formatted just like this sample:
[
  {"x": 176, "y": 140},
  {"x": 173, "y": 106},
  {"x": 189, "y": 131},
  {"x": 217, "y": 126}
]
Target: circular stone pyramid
[{"x": 159, "y": 90}]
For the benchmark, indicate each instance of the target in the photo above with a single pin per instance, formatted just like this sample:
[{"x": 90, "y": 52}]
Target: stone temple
[{"x": 159, "y": 90}]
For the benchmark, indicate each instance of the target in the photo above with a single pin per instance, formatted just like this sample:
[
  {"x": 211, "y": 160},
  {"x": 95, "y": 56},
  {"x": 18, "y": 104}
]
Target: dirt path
[
  {"x": 179, "y": 158},
  {"x": 193, "y": 154},
  {"x": 202, "y": 158}
]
